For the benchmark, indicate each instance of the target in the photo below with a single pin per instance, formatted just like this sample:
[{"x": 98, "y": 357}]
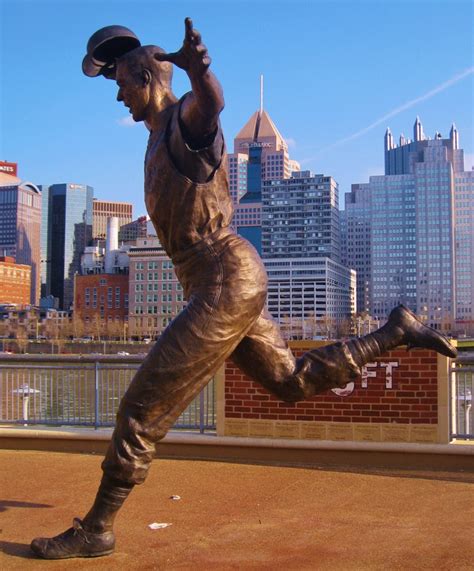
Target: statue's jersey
[{"x": 184, "y": 212}]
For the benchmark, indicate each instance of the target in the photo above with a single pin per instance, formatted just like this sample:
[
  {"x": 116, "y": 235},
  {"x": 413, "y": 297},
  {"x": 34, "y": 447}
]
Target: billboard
[{"x": 9, "y": 168}]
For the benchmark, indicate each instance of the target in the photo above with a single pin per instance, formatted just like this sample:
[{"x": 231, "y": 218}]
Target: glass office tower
[
  {"x": 69, "y": 231},
  {"x": 421, "y": 215}
]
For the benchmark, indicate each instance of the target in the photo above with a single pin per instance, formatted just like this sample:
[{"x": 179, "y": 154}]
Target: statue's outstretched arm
[{"x": 200, "y": 111}]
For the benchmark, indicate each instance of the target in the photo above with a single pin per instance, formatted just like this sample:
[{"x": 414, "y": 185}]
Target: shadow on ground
[
  {"x": 16, "y": 549},
  {"x": 409, "y": 472},
  {"x": 6, "y": 504}
]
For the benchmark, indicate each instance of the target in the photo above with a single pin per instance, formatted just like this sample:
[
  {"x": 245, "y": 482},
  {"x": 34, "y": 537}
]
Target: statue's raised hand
[{"x": 193, "y": 56}]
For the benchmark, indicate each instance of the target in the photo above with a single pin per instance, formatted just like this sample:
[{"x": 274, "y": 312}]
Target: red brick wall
[
  {"x": 15, "y": 282},
  {"x": 94, "y": 281},
  {"x": 413, "y": 398}
]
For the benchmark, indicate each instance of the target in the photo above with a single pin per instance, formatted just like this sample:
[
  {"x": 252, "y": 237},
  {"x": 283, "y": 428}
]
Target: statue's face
[{"x": 133, "y": 90}]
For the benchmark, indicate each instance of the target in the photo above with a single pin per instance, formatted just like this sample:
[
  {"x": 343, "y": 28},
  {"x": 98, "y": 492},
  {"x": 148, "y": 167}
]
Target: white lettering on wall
[
  {"x": 366, "y": 373},
  {"x": 388, "y": 372}
]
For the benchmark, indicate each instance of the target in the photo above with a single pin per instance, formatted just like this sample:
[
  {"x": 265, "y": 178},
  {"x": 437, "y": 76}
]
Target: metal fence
[
  {"x": 462, "y": 388},
  {"x": 83, "y": 392}
]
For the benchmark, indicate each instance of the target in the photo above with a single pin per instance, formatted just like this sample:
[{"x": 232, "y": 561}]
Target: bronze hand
[{"x": 193, "y": 56}]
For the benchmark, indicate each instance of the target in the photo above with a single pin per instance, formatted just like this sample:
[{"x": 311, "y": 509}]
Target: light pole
[{"x": 24, "y": 392}]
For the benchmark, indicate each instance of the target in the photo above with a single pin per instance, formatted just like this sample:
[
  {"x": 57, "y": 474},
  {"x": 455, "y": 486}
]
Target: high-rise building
[
  {"x": 464, "y": 251},
  {"x": 45, "y": 247},
  {"x": 292, "y": 219},
  {"x": 260, "y": 154},
  {"x": 102, "y": 210},
  {"x": 275, "y": 162},
  {"x": 66, "y": 233},
  {"x": 248, "y": 212},
  {"x": 311, "y": 297},
  {"x": 300, "y": 217},
  {"x": 310, "y": 293},
  {"x": 237, "y": 167},
  {"x": 402, "y": 159},
  {"x": 421, "y": 214},
  {"x": 20, "y": 222},
  {"x": 356, "y": 252}
]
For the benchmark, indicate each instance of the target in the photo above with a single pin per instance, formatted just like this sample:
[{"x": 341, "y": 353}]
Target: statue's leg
[
  {"x": 265, "y": 357},
  {"x": 219, "y": 314},
  {"x": 402, "y": 328}
]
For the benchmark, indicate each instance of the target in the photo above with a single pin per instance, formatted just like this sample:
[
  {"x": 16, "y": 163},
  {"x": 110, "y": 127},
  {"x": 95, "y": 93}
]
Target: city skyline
[{"x": 336, "y": 76}]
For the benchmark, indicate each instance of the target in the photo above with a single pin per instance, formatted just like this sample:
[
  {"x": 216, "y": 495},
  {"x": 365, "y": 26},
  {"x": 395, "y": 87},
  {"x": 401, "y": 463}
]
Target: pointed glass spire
[
  {"x": 418, "y": 130},
  {"x": 454, "y": 136},
  {"x": 388, "y": 139}
]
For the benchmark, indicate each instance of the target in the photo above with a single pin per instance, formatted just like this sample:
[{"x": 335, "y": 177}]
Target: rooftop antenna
[{"x": 261, "y": 93}]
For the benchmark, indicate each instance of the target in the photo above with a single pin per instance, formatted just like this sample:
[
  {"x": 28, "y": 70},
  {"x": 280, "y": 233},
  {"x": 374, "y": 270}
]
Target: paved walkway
[{"x": 237, "y": 516}]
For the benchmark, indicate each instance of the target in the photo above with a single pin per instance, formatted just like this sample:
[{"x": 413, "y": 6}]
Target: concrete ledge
[{"x": 190, "y": 445}]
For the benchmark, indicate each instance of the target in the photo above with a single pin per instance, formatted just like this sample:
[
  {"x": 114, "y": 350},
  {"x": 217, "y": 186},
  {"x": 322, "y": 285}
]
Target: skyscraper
[
  {"x": 247, "y": 214},
  {"x": 464, "y": 251},
  {"x": 292, "y": 219},
  {"x": 68, "y": 222},
  {"x": 356, "y": 251},
  {"x": 420, "y": 229},
  {"x": 300, "y": 217},
  {"x": 20, "y": 220},
  {"x": 309, "y": 292},
  {"x": 260, "y": 153}
]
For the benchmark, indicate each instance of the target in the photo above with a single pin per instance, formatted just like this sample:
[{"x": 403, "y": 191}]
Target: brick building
[
  {"x": 15, "y": 282},
  {"x": 101, "y": 303}
]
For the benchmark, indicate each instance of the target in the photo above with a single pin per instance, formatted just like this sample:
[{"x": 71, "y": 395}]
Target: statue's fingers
[
  {"x": 188, "y": 28},
  {"x": 201, "y": 49},
  {"x": 192, "y": 36},
  {"x": 162, "y": 56},
  {"x": 196, "y": 38}
]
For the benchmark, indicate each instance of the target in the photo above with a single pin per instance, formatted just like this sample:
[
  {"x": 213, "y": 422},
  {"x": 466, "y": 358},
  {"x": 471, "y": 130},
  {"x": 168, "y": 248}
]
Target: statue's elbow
[{"x": 221, "y": 104}]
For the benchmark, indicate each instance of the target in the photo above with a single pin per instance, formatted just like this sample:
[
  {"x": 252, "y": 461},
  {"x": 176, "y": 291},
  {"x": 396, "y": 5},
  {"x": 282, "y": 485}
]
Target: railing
[
  {"x": 80, "y": 391},
  {"x": 462, "y": 388}
]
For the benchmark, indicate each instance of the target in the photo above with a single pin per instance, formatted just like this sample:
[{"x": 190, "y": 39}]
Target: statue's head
[
  {"x": 104, "y": 47},
  {"x": 143, "y": 81}
]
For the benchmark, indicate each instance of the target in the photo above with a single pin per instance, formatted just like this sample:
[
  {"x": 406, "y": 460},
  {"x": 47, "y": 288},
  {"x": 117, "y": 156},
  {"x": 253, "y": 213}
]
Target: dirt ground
[{"x": 241, "y": 516}]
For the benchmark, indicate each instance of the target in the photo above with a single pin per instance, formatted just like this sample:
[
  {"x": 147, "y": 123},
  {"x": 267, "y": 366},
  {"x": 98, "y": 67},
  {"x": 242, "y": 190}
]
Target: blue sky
[{"x": 336, "y": 75}]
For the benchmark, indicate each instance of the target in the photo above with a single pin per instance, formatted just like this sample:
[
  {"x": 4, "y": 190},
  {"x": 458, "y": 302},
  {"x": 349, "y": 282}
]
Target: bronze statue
[{"x": 187, "y": 197}]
